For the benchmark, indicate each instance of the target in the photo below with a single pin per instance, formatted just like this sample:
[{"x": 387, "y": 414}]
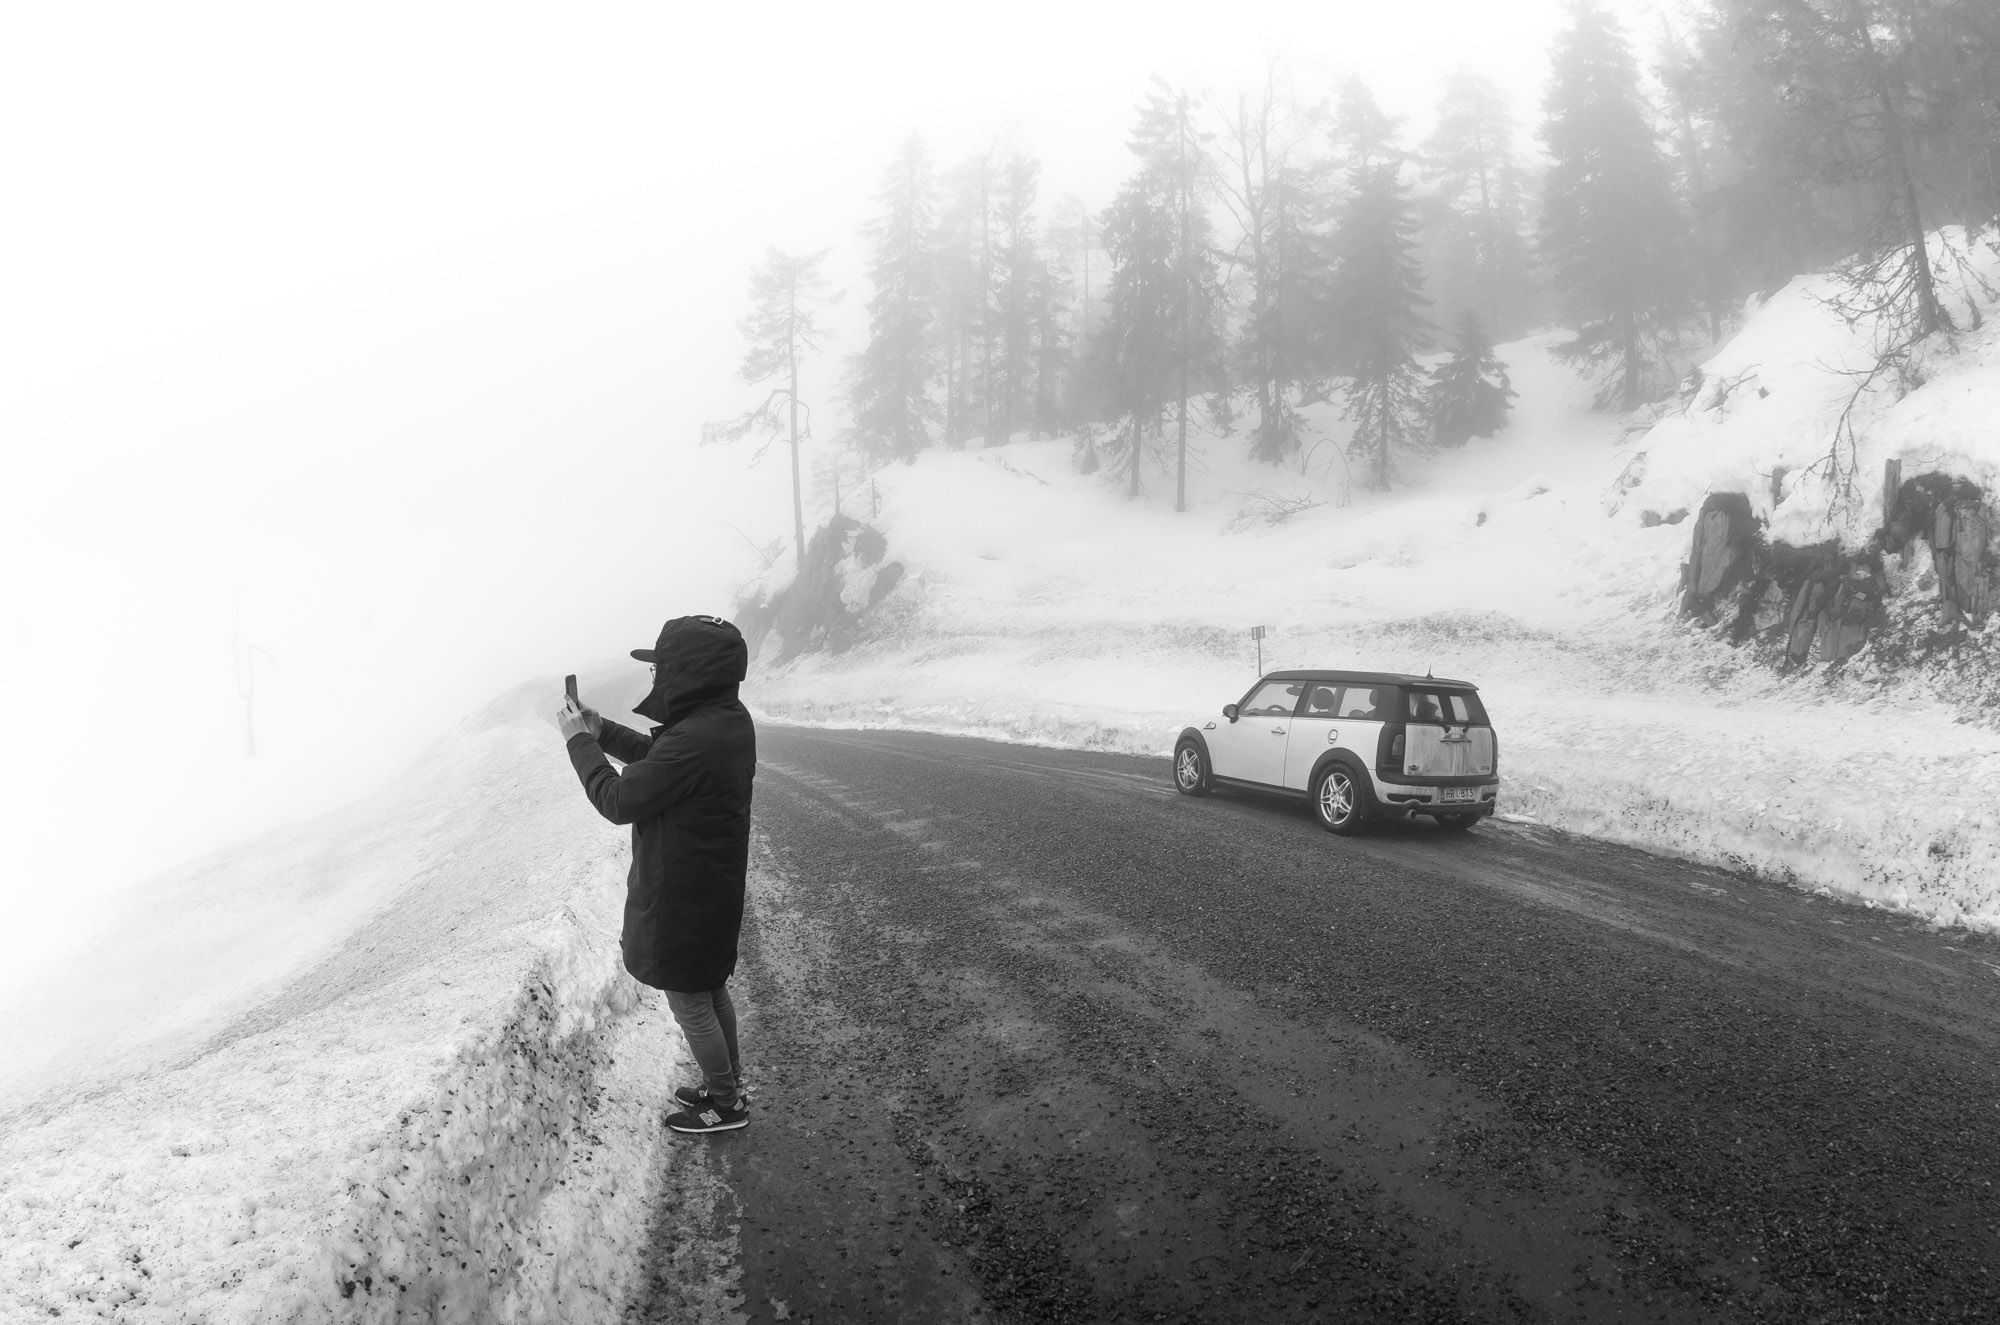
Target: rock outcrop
[
  {"x": 1951, "y": 515},
  {"x": 1821, "y": 603},
  {"x": 843, "y": 578},
  {"x": 1726, "y": 545},
  {"x": 1832, "y": 600}
]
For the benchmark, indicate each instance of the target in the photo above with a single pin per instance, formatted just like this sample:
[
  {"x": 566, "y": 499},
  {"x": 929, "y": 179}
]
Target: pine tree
[
  {"x": 966, "y": 317},
  {"x": 1364, "y": 135},
  {"x": 1051, "y": 299},
  {"x": 1469, "y": 393},
  {"x": 1477, "y": 206},
  {"x": 1172, "y": 149},
  {"x": 1868, "y": 89},
  {"x": 1773, "y": 210},
  {"x": 1276, "y": 191},
  {"x": 1611, "y": 230},
  {"x": 1076, "y": 273},
  {"x": 1378, "y": 300},
  {"x": 1968, "y": 75},
  {"x": 1072, "y": 243},
  {"x": 786, "y": 292},
  {"x": 890, "y": 381},
  {"x": 1019, "y": 282},
  {"x": 1135, "y": 348},
  {"x": 1694, "y": 152}
]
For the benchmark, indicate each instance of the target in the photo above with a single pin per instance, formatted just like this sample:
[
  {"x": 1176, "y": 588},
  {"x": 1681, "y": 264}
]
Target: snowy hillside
[
  {"x": 1044, "y": 606},
  {"x": 362, "y": 1064},
  {"x": 1763, "y": 419}
]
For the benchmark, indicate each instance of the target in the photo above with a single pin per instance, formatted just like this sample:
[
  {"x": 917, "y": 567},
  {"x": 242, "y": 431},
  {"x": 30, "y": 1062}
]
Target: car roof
[{"x": 1370, "y": 678}]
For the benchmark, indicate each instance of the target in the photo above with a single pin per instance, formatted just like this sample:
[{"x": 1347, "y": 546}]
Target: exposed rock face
[
  {"x": 1724, "y": 552},
  {"x": 1821, "y": 603},
  {"x": 1816, "y": 603},
  {"x": 1962, "y": 550},
  {"x": 1952, "y": 516},
  {"x": 822, "y": 607},
  {"x": 1831, "y": 614}
]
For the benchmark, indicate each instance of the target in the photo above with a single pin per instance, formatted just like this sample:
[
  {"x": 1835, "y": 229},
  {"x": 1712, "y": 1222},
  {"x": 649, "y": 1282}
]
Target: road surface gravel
[{"x": 1032, "y": 1038}]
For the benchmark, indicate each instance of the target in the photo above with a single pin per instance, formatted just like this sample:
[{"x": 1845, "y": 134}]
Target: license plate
[{"x": 1458, "y": 795}]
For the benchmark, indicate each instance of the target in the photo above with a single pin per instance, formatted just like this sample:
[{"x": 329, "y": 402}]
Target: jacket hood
[{"x": 699, "y": 658}]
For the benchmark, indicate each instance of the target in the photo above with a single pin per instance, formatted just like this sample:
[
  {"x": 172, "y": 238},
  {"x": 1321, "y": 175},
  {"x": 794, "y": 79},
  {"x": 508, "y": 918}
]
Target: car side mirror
[{"x": 1229, "y": 712}]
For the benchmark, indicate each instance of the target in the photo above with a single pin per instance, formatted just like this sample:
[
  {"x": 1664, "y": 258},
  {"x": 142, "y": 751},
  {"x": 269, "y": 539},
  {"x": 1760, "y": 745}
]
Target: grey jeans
[{"x": 708, "y": 1020}]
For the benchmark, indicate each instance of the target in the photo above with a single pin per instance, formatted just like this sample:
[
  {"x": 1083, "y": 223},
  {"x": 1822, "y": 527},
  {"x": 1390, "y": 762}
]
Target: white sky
[{"x": 377, "y": 335}]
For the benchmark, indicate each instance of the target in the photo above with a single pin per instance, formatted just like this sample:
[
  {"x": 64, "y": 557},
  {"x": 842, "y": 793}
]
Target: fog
[{"x": 370, "y": 345}]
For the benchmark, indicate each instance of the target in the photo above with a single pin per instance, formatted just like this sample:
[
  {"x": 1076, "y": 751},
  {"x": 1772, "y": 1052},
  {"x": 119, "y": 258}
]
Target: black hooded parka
[{"x": 686, "y": 792}]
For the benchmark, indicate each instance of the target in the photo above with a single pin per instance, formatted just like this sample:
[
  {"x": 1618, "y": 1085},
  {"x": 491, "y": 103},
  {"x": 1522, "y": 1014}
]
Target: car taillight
[{"x": 1389, "y": 754}]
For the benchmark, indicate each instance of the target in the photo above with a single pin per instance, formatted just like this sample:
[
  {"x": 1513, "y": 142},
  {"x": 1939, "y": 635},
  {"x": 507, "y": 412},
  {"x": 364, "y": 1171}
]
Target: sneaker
[
  {"x": 705, "y": 1115},
  {"x": 694, "y": 1097}
]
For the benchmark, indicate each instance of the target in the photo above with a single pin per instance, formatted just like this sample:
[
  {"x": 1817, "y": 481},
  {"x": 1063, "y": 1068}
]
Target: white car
[{"x": 1355, "y": 744}]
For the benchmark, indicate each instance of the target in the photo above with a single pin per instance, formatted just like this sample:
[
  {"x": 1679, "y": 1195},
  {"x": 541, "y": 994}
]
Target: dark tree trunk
[{"x": 1902, "y": 188}]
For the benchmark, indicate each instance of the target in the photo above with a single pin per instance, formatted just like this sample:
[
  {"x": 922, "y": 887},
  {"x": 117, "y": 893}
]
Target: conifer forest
[{"x": 1289, "y": 243}]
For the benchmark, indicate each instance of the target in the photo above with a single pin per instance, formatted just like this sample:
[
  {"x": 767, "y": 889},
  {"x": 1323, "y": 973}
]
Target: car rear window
[{"x": 1458, "y": 708}]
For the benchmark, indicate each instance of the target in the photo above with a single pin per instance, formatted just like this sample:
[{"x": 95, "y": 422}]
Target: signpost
[{"x": 1257, "y": 633}]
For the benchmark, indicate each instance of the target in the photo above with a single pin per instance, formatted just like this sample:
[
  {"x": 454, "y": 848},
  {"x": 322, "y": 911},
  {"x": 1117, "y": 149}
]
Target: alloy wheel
[{"x": 1336, "y": 798}]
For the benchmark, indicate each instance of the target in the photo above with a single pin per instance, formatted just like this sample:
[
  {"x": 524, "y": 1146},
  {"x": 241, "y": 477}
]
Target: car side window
[
  {"x": 1321, "y": 703},
  {"x": 1362, "y": 702},
  {"x": 1274, "y": 699}
]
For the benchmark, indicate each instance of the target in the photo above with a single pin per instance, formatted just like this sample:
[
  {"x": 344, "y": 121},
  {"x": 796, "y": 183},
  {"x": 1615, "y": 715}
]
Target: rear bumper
[{"x": 1400, "y": 798}]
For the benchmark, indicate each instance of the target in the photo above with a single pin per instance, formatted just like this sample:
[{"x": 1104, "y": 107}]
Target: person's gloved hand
[{"x": 575, "y": 720}]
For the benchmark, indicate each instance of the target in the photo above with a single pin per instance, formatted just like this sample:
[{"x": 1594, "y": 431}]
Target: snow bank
[
  {"x": 446, "y": 1214},
  {"x": 1044, "y": 606},
  {"x": 448, "y": 1115}
]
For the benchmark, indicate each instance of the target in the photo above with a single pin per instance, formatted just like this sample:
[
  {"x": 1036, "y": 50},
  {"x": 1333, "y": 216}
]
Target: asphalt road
[{"x": 1032, "y": 1038}]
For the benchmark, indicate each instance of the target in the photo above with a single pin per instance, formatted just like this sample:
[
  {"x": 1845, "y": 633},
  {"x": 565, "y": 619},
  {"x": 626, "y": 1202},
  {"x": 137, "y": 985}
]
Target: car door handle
[{"x": 1277, "y": 731}]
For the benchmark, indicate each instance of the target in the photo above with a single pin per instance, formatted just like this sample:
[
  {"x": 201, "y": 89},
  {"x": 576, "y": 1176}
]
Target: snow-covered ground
[
  {"x": 1044, "y": 606},
  {"x": 380, "y": 1065}
]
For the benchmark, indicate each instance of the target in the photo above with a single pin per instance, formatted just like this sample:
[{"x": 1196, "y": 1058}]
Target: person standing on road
[{"x": 685, "y": 790}]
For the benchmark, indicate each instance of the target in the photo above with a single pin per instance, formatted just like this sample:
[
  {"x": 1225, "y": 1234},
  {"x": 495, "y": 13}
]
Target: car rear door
[
  {"x": 1252, "y": 748},
  {"x": 1448, "y": 734},
  {"x": 1335, "y": 717}
]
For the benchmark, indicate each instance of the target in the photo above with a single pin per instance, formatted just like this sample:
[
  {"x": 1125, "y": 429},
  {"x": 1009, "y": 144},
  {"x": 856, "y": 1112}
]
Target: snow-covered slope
[
  {"x": 1764, "y": 419},
  {"x": 368, "y": 1066},
  {"x": 1045, "y": 606}
]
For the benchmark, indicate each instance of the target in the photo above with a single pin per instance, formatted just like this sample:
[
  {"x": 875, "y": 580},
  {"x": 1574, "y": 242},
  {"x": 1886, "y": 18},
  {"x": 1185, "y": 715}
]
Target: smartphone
[{"x": 569, "y": 688}]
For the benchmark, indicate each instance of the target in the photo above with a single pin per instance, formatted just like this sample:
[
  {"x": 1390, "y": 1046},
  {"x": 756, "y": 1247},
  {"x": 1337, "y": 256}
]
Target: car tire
[
  {"x": 1190, "y": 769},
  {"x": 1342, "y": 801},
  {"x": 1458, "y": 823}
]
